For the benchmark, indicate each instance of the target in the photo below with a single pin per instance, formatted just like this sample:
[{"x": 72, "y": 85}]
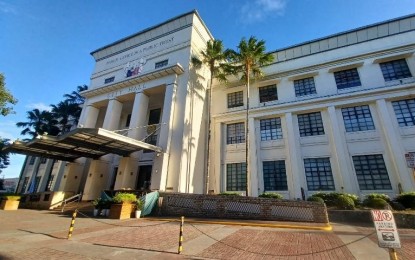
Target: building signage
[
  {"x": 132, "y": 89},
  {"x": 410, "y": 160},
  {"x": 386, "y": 229}
]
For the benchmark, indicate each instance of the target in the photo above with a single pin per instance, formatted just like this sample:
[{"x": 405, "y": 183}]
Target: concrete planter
[
  {"x": 9, "y": 204},
  {"x": 121, "y": 211}
]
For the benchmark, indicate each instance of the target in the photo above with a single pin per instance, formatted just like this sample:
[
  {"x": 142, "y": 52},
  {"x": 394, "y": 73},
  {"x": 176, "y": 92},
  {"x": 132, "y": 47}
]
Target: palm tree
[
  {"x": 248, "y": 60},
  {"x": 67, "y": 114},
  {"x": 75, "y": 97},
  {"x": 214, "y": 56},
  {"x": 40, "y": 122}
]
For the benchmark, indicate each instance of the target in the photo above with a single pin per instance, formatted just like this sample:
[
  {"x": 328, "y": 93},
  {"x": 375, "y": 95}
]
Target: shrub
[
  {"x": 378, "y": 195},
  {"x": 344, "y": 202},
  {"x": 407, "y": 199},
  {"x": 228, "y": 193},
  {"x": 375, "y": 203},
  {"x": 271, "y": 195},
  {"x": 315, "y": 199},
  {"x": 330, "y": 198},
  {"x": 121, "y": 197},
  {"x": 139, "y": 204}
]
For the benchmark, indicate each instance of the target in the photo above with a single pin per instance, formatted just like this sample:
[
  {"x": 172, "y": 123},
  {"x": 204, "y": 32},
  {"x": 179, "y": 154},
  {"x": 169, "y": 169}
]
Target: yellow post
[
  {"x": 180, "y": 249},
  {"x": 72, "y": 223},
  {"x": 392, "y": 254}
]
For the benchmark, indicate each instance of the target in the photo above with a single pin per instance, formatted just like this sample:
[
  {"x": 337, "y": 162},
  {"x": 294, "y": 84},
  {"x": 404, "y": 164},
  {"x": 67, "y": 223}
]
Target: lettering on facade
[
  {"x": 136, "y": 88},
  {"x": 141, "y": 51}
]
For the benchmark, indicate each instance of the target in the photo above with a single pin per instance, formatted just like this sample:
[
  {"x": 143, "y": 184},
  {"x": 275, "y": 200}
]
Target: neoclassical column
[
  {"x": 295, "y": 161},
  {"x": 253, "y": 159},
  {"x": 343, "y": 170},
  {"x": 394, "y": 149},
  {"x": 113, "y": 115},
  {"x": 160, "y": 172},
  {"x": 139, "y": 116},
  {"x": 89, "y": 117}
]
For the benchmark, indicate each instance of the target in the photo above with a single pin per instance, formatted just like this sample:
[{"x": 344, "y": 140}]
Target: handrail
[{"x": 65, "y": 201}]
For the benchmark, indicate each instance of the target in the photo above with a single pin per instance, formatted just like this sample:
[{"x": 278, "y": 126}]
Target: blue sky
[{"x": 45, "y": 44}]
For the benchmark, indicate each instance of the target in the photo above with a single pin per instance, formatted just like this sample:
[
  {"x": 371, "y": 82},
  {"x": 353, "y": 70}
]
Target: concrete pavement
[{"x": 32, "y": 234}]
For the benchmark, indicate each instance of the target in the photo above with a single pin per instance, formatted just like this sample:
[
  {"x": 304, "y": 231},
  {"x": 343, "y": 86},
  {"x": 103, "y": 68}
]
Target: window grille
[
  {"x": 396, "y": 69},
  {"x": 347, "y": 78},
  {"x": 236, "y": 176},
  {"x": 304, "y": 87},
  {"x": 318, "y": 174},
  {"x": 357, "y": 118},
  {"x": 275, "y": 177},
  {"x": 371, "y": 172},
  {"x": 310, "y": 124},
  {"x": 405, "y": 112}
]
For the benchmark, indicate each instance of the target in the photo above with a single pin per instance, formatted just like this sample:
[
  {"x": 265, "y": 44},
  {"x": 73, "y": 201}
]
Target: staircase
[{"x": 85, "y": 207}]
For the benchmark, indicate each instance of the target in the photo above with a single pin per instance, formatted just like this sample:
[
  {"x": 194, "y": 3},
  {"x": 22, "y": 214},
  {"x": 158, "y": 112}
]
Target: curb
[{"x": 327, "y": 227}]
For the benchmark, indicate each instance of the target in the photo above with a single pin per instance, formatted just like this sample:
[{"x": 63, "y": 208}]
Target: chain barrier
[
  {"x": 265, "y": 254},
  {"x": 110, "y": 224}
]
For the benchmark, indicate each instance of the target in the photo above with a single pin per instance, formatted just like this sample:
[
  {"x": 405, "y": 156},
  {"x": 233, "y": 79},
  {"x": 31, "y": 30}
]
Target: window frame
[
  {"x": 357, "y": 118},
  {"x": 270, "y": 129},
  {"x": 321, "y": 172},
  {"x": 236, "y": 135},
  {"x": 348, "y": 78},
  {"x": 236, "y": 176},
  {"x": 395, "y": 70},
  {"x": 308, "y": 127},
  {"x": 406, "y": 115},
  {"x": 235, "y": 99},
  {"x": 274, "y": 175},
  {"x": 304, "y": 87},
  {"x": 268, "y": 93},
  {"x": 370, "y": 169},
  {"x": 161, "y": 64}
]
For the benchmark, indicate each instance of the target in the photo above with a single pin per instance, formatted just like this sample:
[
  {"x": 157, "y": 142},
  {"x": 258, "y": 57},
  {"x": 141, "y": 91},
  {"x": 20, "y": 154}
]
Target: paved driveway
[{"x": 32, "y": 234}]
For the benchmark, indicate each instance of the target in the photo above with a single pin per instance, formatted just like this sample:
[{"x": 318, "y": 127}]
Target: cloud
[
  {"x": 40, "y": 106},
  {"x": 7, "y": 8},
  {"x": 258, "y": 10}
]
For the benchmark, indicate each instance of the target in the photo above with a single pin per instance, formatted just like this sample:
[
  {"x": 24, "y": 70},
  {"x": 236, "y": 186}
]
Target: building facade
[{"x": 332, "y": 114}]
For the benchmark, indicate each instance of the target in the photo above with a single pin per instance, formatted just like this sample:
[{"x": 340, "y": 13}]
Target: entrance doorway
[{"x": 144, "y": 177}]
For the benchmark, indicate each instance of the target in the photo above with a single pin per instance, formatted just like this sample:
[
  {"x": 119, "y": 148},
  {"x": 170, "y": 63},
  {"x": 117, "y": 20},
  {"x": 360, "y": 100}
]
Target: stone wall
[{"x": 240, "y": 207}]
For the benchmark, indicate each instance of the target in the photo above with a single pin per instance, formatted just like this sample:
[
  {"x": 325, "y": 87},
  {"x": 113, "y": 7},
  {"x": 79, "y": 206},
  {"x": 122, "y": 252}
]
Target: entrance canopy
[{"x": 81, "y": 142}]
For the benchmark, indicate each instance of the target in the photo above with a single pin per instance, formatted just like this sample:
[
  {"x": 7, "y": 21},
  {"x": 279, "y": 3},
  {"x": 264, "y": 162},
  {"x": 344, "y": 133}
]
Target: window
[
  {"x": 43, "y": 160},
  {"x": 24, "y": 185},
  {"x": 109, "y": 80},
  {"x": 275, "y": 177},
  {"x": 161, "y": 64},
  {"x": 371, "y": 172},
  {"x": 396, "y": 69},
  {"x": 37, "y": 182},
  {"x": 235, "y": 133},
  {"x": 32, "y": 160},
  {"x": 357, "y": 119},
  {"x": 268, "y": 93},
  {"x": 310, "y": 124},
  {"x": 304, "y": 87},
  {"x": 50, "y": 181},
  {"x": 347, "y": 78},
  {"x": 318, "y": 174},
  {"x": 405, "y": 112},
  {"x": 271, "y": 129},
  {"x": 236, "y": 176},
  {"x": 235, "y": 99}
]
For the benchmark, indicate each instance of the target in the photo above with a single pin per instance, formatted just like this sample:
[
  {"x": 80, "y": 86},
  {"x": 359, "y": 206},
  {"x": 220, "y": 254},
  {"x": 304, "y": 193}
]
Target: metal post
[
  {"x": 180, "y": 249},
  {"x": 72, "y": 223},
  {"x": 392, "y": 254}
]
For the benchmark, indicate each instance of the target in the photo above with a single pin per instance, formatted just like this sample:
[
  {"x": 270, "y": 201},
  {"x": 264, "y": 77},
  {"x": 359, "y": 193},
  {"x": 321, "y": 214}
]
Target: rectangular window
[
  {"x": 371, "y": 172},
  {"x": 24, "y": 185},
  {"x": 235, "y": 133},
  {"x": 310, "y": 124},
  {"x": 32, "y": 160},
  {"x": 304, "y": 87},
  {"x": 347, "y": 78},
  {"x": 37, "y": 182},
  {"x": 268, "y": 93},
  {"x": 405, "y": 112},
  {"x": 128, "y": 121},
  {"x": 357, "y": 118},
  {"x": 271, "y": 129},
  {"x": 161, "y": 64},
  {"x": 318, "y": 174},
  {"x": 43, "y": 160},
  {"x": 236, "y": 176},
  {"x": 50, "y": 181},
  {"x": 396, "y": 69},
  {"x": 275, "y": 177},
  {"x": 236, "y": 99},
  {"x": 109, "y": 80}
]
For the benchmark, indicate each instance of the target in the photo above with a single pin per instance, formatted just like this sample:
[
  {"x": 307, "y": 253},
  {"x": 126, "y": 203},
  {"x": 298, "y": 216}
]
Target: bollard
[
  {"x": 180, "y": 249},
  {"x": 392, "y": 254},
  {"x": 72, "y": 223}
]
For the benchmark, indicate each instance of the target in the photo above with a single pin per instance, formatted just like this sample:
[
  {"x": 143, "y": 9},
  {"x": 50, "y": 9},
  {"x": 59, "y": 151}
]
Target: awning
[{"x": 81, "y": 142}]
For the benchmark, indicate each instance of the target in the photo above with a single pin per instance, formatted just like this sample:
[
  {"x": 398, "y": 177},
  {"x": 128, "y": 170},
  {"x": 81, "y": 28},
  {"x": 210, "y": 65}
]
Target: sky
[{"x": 45, "y": 45}]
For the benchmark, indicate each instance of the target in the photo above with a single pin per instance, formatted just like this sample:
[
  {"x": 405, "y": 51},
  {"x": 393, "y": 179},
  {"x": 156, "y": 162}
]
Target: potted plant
[
  {"x": 138, "y": 208},
  {"x": 10, "y": 202},
  {"x": 122, "y": 205},
  {"x": 97, "y": 206}
]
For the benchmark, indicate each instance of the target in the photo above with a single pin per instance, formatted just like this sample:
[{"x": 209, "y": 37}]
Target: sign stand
[
  {"x": 386, "y": 230},
  {"x": 392, "y": 254}
]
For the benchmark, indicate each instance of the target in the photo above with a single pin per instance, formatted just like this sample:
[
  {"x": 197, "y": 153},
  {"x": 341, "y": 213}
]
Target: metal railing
[{"x": 74, "y": 198}]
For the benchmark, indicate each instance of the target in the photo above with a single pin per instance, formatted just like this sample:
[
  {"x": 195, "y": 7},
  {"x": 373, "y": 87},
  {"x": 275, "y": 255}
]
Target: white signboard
[
  {"x": 410, "y": 160},
  {"x": 386, "y": 229}
]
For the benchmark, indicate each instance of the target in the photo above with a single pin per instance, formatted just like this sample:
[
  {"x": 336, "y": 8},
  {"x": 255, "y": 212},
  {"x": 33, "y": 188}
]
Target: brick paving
[{"x": 32, "y": 234}]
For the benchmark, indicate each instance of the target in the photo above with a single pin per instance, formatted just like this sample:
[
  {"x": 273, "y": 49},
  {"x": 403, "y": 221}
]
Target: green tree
[
  {"x": 247, "y": 62},
  {"x": 214, "y": 57},
  {"x": 66, "y": 114},
  {"x": 4, "y": 157},
  {"x": 75, "y": 96},
  {"x": 39, "y": 123},
  {"x": 5, "y": 98}
]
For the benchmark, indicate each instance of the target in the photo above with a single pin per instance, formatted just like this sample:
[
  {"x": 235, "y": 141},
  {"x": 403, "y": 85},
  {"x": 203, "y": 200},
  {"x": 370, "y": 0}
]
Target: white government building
[{"x": 332, "y": 114}]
